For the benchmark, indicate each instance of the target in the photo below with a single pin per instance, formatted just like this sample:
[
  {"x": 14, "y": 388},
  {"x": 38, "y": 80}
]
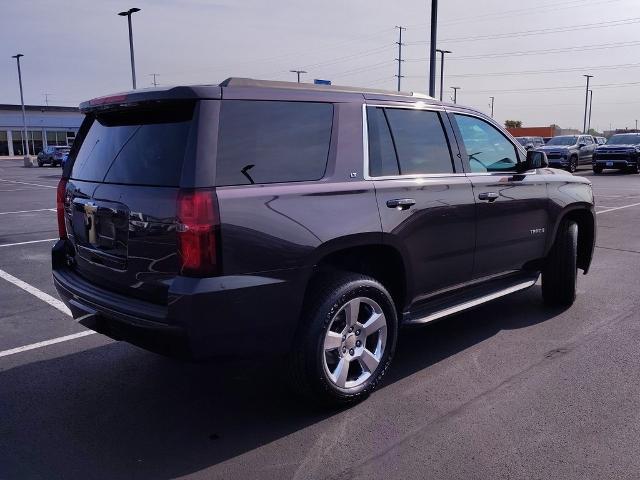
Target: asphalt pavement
[{"x": 512, "y": 389}]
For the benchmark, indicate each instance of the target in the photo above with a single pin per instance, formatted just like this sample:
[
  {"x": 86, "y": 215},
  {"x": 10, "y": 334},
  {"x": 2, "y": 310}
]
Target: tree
[{"x": 513, "y": 124}]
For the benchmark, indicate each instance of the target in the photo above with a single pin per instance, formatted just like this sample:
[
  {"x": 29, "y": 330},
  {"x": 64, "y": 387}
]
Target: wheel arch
[
  {"x": 369, "y": 255},
  {"x": 584, "y": 216}
]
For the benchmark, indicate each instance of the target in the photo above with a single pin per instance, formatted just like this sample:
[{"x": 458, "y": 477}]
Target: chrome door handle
[
  {"x": 490, "y": 196},
  {"x": 401, "y": 203}
]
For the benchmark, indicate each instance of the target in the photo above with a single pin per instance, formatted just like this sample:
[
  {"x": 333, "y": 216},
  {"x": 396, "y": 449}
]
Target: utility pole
[
  {"x": 442, "y": 52},
  {"x": 25, "y": 139},
  {"x": 636, "y": 125},
  {"x": 590, "y": 103},
  {"x": 493, "y": 100},
  {"x": 586, "y": 103},
  {"x": 455, "y": 94},
  {"x": 432, "y": 48},
  {"x": 399, "y": 59},
  {"x": 128, "y": 14},
  {"x": 154, "y": 75},
  {"x": 298, "y": 72},
  {"x": 46, "y": 98}
]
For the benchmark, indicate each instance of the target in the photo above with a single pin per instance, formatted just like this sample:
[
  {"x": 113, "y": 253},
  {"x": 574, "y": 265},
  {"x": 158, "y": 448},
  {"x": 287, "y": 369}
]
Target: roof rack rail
[{"x": 250, "y": 82}]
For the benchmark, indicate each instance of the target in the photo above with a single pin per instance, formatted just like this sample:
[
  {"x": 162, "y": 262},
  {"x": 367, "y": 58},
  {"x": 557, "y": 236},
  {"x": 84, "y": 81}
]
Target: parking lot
[{"x": 510, "y": 390}]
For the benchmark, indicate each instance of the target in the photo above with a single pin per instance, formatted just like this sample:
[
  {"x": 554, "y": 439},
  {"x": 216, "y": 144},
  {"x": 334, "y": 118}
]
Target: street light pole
[
  {"x": 25, "y": 139},
  {"x": 442, "y": 52},
  {"x": 586, "y": 104},
  {"x": 493, "y": 101},
  {"x": 590, "y": 103},
  {"x": 128, "y": 14},
  {"x": 432, "y": 48},
  {"x": 455, "y": 94},
  {"x": 298, "y": 72}
]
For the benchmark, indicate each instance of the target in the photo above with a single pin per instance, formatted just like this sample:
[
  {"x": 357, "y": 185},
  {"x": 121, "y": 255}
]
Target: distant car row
[
  {"x": 621, "y": 151},
  {"x": 54, "y": 156}
]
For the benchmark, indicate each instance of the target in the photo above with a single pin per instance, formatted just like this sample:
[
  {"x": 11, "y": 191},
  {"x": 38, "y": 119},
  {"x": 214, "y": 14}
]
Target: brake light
[
  {"x": 198, "y": 232},
  {"x": 107, "y": 100},
  {"x": 60, "y": 194}
]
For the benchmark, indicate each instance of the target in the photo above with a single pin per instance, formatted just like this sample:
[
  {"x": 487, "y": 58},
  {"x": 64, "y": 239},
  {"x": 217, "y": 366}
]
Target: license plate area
[{"x": 609, "y": 164}]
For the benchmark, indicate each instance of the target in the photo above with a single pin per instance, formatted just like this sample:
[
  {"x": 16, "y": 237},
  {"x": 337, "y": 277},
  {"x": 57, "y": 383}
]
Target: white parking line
[
  {"x": 29, "y": 211},
  {"x": 617, "y": 208},
  {"x": 30, "y": 241},
  {"x": 45, "y": 343},
  {"x": 45, "y": 297},
  {"x": 27, "y": 183}
]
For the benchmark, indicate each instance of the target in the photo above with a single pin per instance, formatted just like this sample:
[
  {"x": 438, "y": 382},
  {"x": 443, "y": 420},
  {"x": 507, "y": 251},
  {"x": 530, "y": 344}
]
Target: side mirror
[{"x": 535, "y": 159}]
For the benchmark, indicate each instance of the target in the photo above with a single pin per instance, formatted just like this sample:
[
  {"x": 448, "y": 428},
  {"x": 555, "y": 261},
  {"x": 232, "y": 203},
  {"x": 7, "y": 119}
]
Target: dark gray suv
[
  {"x": 307, "y": 222},
  {"x": 570, "y": 151}
]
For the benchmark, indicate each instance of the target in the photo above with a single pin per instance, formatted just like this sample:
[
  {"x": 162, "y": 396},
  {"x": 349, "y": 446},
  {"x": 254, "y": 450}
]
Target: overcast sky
[{"x": 530, "y": 55}]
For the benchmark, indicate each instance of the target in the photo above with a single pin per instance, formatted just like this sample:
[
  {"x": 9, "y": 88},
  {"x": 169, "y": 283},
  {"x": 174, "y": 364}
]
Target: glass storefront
[
  {"x": 35, "y": 142},
  {"x": 56, "y": 138},
  {"x": 18, "y": 145},
  {"x": 4, "y": 143}
]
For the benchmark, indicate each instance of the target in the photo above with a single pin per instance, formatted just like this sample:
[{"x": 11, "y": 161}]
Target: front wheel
[
  {"x": 560, "y": 272},
  {"x": 573, "y": 164},
  {"x": 633, "y": 169},
  {"x": 345, "y": 342},
  {"x": 597, "y": 170}
]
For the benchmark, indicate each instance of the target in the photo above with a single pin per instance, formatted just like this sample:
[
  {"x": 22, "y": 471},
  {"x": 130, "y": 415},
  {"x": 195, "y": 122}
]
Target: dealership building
[{"x": 46, "y": 126}]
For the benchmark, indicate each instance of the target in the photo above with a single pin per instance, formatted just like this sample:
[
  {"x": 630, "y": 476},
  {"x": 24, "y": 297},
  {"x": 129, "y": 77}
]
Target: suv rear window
[
  {"x": 144, "y": 146},
  {"x": 272, "y": 141}
]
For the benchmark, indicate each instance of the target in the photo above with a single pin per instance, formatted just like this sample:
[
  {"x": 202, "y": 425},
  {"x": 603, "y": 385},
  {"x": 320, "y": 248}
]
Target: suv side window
[
  {"x": 407, "y": 142},
  {"x": 272, "y": 141},
  {"x": 382, "y": 154},
  {"x": 487, "y": 148}
]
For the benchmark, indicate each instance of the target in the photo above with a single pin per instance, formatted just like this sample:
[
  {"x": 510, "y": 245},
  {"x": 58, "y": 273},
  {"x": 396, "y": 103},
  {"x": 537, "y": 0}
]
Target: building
[
  {"x": 46, "y": 125},
  {"x": 551, "y": 131}
]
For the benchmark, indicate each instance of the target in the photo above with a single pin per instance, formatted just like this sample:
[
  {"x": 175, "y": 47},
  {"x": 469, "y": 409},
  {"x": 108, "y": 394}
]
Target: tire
[
  {"x": 597, "y": 170},
  {"x": 560, "y": 273},
  {"x": 633, "y": 169},
  {"x": 40, "y": 163},
  {"x": 315, "y": 365},
  {"x": 573, "y": 164}
]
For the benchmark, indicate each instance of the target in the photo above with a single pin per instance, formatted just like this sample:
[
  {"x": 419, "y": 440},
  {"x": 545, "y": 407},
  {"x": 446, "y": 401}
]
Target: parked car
[
  {"x": 306, "y": 222},
  {"x": 570, "y": 151},
  {"x": 530, "y": 142},
  {"x": 52, "y": 155},
  {"x": 622, "y": 152},
  {"x": 546, "y": 139},
  {"x": 600, "y": 140}
]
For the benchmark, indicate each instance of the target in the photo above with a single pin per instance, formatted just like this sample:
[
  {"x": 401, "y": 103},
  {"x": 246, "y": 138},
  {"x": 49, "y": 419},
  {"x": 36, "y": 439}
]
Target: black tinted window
[
  {"x": 420, "y": 141},
  {"x": 382, "y": 155},
  {"x": 145, "y": 146},
  {"x": 487, "y": 148},
  {"x": 268, "y": 142}
]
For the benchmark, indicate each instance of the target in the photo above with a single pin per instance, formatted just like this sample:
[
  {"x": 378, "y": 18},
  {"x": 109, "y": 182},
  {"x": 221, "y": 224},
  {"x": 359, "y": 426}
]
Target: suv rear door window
[
  {"x": 420, "y": 141},
  {"x": 272, "y": 141},
  {"x": 487, "y": 148},
  {"x": 142, "y": 146},
  {"x": 382, "y": 154}
]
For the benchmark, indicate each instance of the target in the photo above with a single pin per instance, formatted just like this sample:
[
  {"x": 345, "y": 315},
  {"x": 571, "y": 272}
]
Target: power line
[
  {"x": 542, "y": 31},
  {"x": 538, "y": 52},
  {"x": 559, "y": 88},
  {"x": 529, "y": 10},
  {"x": 540, "y": 72}
]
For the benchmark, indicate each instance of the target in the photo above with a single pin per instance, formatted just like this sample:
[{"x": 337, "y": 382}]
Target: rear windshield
[
  {"x": 563, "y": 141},
  {"x": 624, "y": 140},
  {"x": 145, "y": 146}
]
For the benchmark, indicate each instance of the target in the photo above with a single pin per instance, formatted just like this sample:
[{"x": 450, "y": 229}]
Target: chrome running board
[{"x": 523, "y": 285}]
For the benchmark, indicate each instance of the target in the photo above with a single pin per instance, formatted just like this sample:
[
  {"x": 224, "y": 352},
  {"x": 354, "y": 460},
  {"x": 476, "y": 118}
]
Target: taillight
[
  {"x": 198, "y": 232},
  {"x": 60, "y": 194}
]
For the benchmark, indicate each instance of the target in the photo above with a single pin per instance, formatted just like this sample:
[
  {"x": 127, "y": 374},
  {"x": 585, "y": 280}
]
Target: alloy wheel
[{"x": 354, "y": 343}]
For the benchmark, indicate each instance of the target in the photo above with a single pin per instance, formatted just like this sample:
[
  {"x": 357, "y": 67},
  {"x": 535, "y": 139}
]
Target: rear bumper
[{"x": 243, "y": 315}]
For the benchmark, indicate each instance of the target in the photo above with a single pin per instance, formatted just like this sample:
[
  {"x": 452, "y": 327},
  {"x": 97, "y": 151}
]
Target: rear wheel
[
  {"x": 40, "y": 163},
  {"x": 573, "y": 164},
  {"x": 560, "y": 273},
  {"x": 345, "y": 342}
]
